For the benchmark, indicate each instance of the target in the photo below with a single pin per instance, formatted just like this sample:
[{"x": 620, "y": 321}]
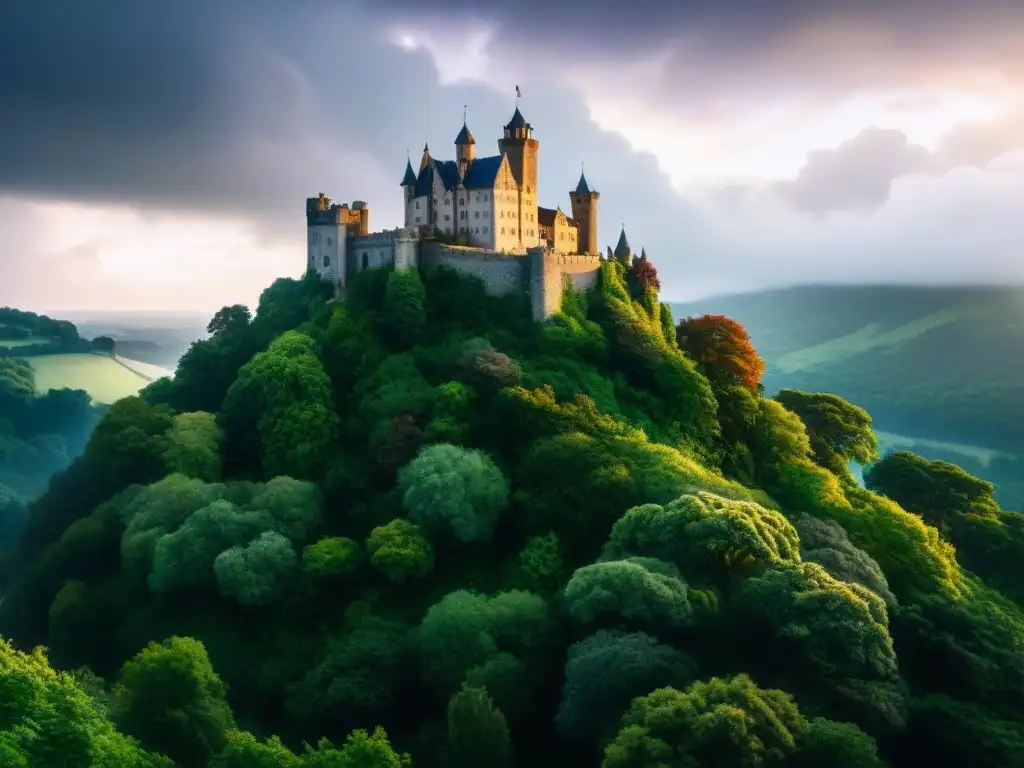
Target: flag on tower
[{"x": 519, "y": 94}]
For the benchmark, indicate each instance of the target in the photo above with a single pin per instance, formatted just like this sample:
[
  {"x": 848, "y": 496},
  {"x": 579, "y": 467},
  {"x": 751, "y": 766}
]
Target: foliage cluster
[{"x": 418, "y": 518}]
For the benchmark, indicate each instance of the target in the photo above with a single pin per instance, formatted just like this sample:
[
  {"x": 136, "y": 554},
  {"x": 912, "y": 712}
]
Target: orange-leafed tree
[{"x": 722, "y": 349}]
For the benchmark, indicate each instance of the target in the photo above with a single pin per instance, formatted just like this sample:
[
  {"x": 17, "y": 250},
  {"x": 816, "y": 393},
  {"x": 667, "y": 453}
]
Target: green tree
[
  {"x": 400, "y": 551},
  {"x": 193, "y": 446},
  {"x": 332, "y": 556},
  {"x": 477, "y": 732},
  {"x": 936, "y": 490},
  {"x": 404, "y": 313},
  {"x": 259, "y": 572},
  {"x": 605, "y": 671},
  {"x": 626, "y": 590},
  {"x": 721, "y": 723},
  {"x": 281, "y": 402},
  {"x": 705, "y": 533},
  {"x": 485, "y": 641},
  {"x": 47, "y": 719},
  {"x": 840, "y": 432},
  {"x": 170, "y": 698},
  {"x": 455, "y": 489},
  {"x": 826, "y": 543}
]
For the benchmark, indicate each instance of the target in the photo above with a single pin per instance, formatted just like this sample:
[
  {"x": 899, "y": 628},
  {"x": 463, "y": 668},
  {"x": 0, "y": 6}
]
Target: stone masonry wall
[
  {"x": 546, "y": 271},
  {"x": 501, "y": 274}
]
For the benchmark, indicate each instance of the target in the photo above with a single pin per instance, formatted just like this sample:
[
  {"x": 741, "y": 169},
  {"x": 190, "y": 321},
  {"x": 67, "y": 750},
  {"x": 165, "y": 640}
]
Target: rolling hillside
[{"x": 938, "y": 368}]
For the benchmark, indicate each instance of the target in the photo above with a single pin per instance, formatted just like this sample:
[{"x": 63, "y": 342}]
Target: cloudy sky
[{"x": 156, "y": 155}]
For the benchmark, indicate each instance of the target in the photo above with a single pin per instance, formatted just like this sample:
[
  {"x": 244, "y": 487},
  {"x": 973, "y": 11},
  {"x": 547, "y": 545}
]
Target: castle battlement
[{"x": 476, "y": 215}]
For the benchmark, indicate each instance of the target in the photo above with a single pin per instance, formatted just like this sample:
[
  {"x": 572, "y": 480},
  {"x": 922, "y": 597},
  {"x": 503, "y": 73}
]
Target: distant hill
[
  {"x": 942, "y": 365},
  {"x": 157, "y": 338}
]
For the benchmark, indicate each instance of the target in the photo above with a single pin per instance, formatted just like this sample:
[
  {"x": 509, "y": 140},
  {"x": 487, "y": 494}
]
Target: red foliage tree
[
  {"x": 722, "y": 348},
  {"x": 642, "y": 276}
]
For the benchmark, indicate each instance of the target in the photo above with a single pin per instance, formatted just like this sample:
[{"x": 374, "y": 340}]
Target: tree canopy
[{"x": 416, "y": 527}]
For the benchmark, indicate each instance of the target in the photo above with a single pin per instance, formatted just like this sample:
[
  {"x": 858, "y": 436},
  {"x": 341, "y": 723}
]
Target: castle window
[
  {"x": 476, "y": 214},
  {"x": 366, "y": 260},
  {"x": 477, "y": 230},
  {"x": 327, "y": 260},
  {"x": 462, "y": 201},
  {"x": 447, "y": 217},
  {"x": 329, "y": 241},
  {"x": 417, "y": 204},
  {"x": 462, "y": 214},
  {"x": 487, "y": 215},
  {"x": 485, "y": 230}
]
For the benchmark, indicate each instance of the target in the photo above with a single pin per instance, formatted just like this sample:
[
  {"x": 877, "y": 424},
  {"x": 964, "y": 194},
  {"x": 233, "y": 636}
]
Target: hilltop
[{"x": 420, "y": 523}]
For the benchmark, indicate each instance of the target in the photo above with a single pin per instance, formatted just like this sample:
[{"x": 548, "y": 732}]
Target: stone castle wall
[
  {"x": 500, "y": 273},
  {"x": 547, "y": 269}
]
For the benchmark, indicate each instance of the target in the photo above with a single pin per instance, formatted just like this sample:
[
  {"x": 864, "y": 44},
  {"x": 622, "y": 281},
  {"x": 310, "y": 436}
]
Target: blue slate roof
[
  {"x": 483, "y": 172},
  {"x": 582, "y": 188},
  {"x": 464, "y": 137},
  {"x": 409, "y": 180},
  {"x": 449, "y": 171},
  {"x": 517, "y": 121}
]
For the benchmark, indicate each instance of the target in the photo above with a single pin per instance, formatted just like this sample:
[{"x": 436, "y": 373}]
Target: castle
[{"x": 477, "y": 215}]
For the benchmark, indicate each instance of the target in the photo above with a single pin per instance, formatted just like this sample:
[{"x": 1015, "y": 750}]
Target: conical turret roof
[
  {"x": 517, "y": 121},
  {"x": 464, "y": 137},
  {"x": 583, "y": 188},
  {"x": 409, "y": 180},
  {"x": 622, "y": 247}
]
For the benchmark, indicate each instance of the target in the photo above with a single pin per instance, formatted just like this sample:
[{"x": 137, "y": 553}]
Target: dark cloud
[
  {"x": 714, "y": 54},
  {"x": 858, "y": 174},
  {"x": 243, "y": 108}
]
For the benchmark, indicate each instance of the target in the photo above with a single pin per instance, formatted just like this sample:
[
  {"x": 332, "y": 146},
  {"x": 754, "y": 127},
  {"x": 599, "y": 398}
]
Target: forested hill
[
  {"x": 941, "y": 363},
  {"x": 419, "y": 524}
]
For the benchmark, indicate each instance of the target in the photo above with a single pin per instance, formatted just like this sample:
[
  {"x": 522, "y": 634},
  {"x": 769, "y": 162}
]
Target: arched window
[{"x": 366, "y": 260}]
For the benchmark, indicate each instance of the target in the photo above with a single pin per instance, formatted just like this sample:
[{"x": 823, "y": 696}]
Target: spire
[
  {"x": 622, "y": 247},
  {"x": 643, "y": 254},
  {"x": 426, "y": 157},
  {"x": 582, "y": 188},
  {"x": 409, "y": 180},
  {"x": 465, "y": 137}
]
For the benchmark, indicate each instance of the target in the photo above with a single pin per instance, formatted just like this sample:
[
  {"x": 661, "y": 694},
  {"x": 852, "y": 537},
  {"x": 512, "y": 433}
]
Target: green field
[{"x": 103, "y": 378}]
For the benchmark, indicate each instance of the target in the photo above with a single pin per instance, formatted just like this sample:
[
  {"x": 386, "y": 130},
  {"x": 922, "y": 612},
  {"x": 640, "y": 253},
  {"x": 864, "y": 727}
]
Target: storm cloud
[{"x": 236, "y": 111}]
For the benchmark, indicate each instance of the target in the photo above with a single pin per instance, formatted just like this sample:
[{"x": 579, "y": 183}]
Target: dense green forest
[
  {"x": 417, "y": 528},
  {"x": 933, "y": 363}
]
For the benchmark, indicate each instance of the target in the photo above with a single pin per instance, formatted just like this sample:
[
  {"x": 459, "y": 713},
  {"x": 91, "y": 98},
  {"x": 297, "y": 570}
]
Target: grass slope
[{"x": 107, "y": 380}]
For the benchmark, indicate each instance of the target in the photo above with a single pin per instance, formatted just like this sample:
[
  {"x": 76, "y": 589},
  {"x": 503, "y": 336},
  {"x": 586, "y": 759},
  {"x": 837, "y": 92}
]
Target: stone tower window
[
  {"x": 366, "y": 260},
  {"x": 329, "y": 241},
  {"x": 327, "y": 260}
]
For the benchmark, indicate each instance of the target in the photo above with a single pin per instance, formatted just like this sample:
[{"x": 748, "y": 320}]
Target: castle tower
[
  {"x": 522, "y": 150},
  {"x": 327, "y": 226},
  {"x": 408, "y": 189},
  {"x": 465, "y": 148},
  {"x": 584, "y": 211},
  {"x": 622, "y": 250}
]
